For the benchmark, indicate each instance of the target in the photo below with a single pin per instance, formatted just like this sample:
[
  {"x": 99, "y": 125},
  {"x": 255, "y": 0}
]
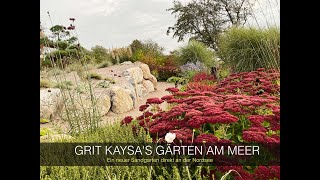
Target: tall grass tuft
[
  {"x": 247, "y": 49},
  {"x": 196, "y": 51}
]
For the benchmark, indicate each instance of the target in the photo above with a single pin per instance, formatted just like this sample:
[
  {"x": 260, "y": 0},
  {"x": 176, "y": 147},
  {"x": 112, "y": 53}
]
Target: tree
[
  {"x": 63, "y": 42},
  {"x": 136, "y": 45},
  {"x": 204, "y": 20}
]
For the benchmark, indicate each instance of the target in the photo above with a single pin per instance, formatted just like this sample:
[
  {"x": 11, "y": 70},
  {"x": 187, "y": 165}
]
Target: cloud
[
  {"x": 116, "y": 23},
  {"x": 98, "y": 7}
]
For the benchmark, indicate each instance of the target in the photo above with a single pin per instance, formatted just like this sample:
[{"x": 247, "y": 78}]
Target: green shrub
[
  {"x": 94, "y": 75},
  {"x": 44, "y": 121},
  {"x": 45, "y": 83},
  {"x": 177, "y": 80},
  {"x": 45, "y": 131},
  {"x": 104, "y": 84},
  {"x": 101, "y": 54},
  {"x": 247, "y": 49},
  {"x": 64, "y": 85},
  {"x": 188, "y": 74},
  {"x": 112, "y": 81},
  {"x": 196, "y": 51},
  {"x": 82, "y": 87},
  {"x": 104, "y": 64}
]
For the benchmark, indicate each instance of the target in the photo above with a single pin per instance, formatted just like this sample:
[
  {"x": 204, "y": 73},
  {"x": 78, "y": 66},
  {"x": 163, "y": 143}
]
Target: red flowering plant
[
  {"x": 244, "y": 107},
  {"x": 202, "y": 82}
]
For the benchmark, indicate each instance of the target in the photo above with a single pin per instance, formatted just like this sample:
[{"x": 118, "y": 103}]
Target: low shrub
[
  {"x": 94, "y": 75},
  {"x": 64, "y": 85},
  {"x": 45, "y": 83},
  {"x": 177, "y": 80},
  {"x": 104, "y": 84},
  {"x": 104, "y": 64},
  {"x": 101, "y": 54},
  {"x": 202, "y": 76},
  {"x": 44, "y": 121}
]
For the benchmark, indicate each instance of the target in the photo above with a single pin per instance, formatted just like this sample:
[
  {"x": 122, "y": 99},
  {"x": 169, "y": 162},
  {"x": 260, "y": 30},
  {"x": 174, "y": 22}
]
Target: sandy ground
[{"x": 112, "y": 117}]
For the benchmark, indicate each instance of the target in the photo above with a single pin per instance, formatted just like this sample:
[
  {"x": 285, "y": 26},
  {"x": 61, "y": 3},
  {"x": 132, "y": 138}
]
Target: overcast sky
[{"x": 116, "y": 23}]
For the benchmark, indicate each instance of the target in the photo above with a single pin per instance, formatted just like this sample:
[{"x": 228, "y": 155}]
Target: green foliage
[
  {"x": 196, "y": 51},
  {"x": 64, "y": 85},
  {"x": 188, "y": 74},
  {"x": 112, "y": 81},
  {"x": 45, "y": 83},
  {"x": 94, "y": 75},
  {"x": 113, "y": 134},
  {"x": 104, "y": 64},
  {"x": 147, "y": 51},
  {"x": 177, "y": 80},
  {"x": 101, "y": 55},
  {"x": 120, "y": 55},
  {"x": 247, "y": 49},
  {"x": 136, "y": 45},
  {"x": 204, "y": 20},
  {"x": 44, "y": 121},
  {"x": 82, "y": 88},
  {"x": 64, "y": 44},
  {"x": 104, "y": 84},
  {"x": 45, "y": 131}
]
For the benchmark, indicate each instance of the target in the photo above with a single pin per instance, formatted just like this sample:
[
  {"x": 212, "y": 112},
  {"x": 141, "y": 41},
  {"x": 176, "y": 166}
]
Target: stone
[
  {"x": 147, "y": 74},
  {"x": 126, "y": 63},
  {"x": 51, "y": 103},
  {"x": 141, "y": 91},
  {"x": 83, "y": 105},
  {"x": 146, "y": 71},
  {"x": 134, "y": 75},
  {"x": 130, "y": 89},
  {"x": 103, "y": 104},
  {"x": 154, "y": 81},
  {"x": 148, "y": 85},
  {"x": 121, "y": 101}
]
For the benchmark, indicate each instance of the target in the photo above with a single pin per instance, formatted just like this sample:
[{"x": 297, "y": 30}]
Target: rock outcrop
[
  {"x": 132, "y": 82},
  {"x": 51, "y": 103}
]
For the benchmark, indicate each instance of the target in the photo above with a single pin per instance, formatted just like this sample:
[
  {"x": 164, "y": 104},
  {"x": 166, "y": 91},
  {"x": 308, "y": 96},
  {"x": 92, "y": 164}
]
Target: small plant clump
[
  {"x": 94, "y": 75},
  {"x": 44, "y": 121},
  {"x": 64, "y": 85},
  {"x": 45, "y": 83},
  {"x": 177, "y": 80},
  {"x": 104, "y": 84}
]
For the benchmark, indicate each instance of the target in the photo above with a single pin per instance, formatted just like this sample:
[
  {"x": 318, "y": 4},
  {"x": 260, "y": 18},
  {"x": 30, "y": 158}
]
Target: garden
[{"x": 221, "y": 87}]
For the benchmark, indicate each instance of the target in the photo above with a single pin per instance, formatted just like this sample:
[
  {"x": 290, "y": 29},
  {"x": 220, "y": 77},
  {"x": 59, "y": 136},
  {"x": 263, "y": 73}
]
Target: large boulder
[
  {"x": 103, "y": 104},
  {"x": 51, "y": 103},
  {"x": 146, "y": 71},
  {"x": 141, "y": 91},
  {"x": 134, "y": 75},
  {"x": 131, "y": 90},
  {"x": 148, "y": 85},
  {"x": 147, "y": 74},
  {"x": 83, "y": 105},
  {"x": 120, "y": 100}
]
